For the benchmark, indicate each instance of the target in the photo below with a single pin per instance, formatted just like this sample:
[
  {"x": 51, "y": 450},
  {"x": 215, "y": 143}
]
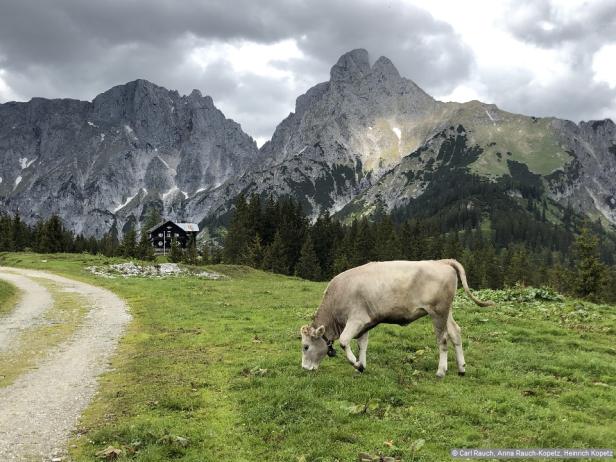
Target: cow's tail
[{"x": 462, "y": 274}]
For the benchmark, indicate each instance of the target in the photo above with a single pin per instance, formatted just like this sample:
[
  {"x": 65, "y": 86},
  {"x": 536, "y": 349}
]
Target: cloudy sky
[{"x": 537, "y": 57}]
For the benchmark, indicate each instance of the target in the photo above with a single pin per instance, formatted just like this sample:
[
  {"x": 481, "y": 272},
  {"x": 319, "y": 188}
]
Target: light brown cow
[{"x": 391, "y": 292}]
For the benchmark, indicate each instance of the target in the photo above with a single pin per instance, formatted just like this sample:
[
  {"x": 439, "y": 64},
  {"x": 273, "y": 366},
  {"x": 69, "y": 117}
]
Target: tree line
[
  {"x": 276, "y": 235},
  {"x": 51, "y": 236}
]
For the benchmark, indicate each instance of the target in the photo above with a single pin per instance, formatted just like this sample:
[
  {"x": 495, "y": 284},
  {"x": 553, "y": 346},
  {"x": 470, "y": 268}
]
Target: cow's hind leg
[
  {"x": 440, "y": 329},
  {"x": 453, "y": 331},
  {"x": 351, "y": 331}
]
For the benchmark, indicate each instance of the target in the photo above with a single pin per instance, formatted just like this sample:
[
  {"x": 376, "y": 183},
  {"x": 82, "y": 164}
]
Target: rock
[
  {"x": 367, "y": 139},
  {"x": 97, "y": 164},
  {"x": 130, "y": 269}
]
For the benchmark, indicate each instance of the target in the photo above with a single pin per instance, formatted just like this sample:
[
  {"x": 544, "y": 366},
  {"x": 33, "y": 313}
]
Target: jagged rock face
[
  {"x": 366, "y": 113},
  {"x": 343, "y": 134},
  {"x": 367, "y": 138},
  {"x": 99, "y": 163}
]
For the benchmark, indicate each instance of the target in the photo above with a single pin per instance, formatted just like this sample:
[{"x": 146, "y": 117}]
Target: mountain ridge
[{"x": 368, "y": 138}]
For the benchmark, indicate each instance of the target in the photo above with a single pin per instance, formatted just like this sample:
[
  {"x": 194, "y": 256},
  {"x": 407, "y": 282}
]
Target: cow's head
[{"x": 314, "y": 347}]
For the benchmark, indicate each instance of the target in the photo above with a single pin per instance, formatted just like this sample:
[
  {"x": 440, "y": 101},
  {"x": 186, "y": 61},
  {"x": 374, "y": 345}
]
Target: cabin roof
[{"x": 188, "y": 227}]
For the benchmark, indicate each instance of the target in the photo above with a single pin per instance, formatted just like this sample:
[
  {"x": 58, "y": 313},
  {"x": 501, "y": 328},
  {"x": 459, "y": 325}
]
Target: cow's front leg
[
  {"x": 351, "y": 331},
  {"x": 362, "y": 342}
]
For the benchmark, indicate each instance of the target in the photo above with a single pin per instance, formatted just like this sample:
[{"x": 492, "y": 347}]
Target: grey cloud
[
  {"x": 74, "y": 48},
  {"x": 592, "y": 24},
  {"x": 574, "y": 93}
]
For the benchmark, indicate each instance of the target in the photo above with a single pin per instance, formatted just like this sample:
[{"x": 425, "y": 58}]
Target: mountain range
[{"x": 367, "y": 141}]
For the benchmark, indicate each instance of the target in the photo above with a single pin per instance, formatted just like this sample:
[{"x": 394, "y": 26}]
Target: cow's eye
[{"x": 306, "y": 347}]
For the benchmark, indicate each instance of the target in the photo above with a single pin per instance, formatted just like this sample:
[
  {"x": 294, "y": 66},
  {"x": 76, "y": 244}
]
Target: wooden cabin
[{"x": 162, "y": 235}]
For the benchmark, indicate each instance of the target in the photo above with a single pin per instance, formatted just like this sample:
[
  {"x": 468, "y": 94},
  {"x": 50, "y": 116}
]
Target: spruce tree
[
  {"x": 275, "y": 258},
  {"x": 176, "y": 254},
  {"x": 128, "y": 247},
  {"x": 52, "y": 236},
  {"x": 145, "y": 251},
  {"x": 190, "y": 254},
  {"x": 204, "y": 253},
  {"x": 363, "y": 250},
  {"x": 255, "y": 253},
  {"x": 308, "y": 264},
  {"x": 387, "y": 243},
  {"x": 238, "y": 235},
  {"x": 341, "y": 264},
  {"x": 589, "y": 271}
]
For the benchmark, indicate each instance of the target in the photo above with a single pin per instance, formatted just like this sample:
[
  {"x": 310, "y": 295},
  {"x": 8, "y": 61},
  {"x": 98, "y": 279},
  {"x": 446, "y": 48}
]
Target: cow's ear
[
  {"x": 305, "y": 330},
  {"x": 319, "y": 331}
]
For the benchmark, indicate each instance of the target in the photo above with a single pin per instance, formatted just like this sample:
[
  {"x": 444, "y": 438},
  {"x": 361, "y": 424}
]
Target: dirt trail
[
  {"x": 35, "y": 300},
  {"x": 42, "y": 406}
]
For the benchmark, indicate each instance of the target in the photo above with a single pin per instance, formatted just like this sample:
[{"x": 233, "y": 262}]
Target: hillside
[
  {"x": 210, "y": 370},
  {"x": 370, "y": 138}
]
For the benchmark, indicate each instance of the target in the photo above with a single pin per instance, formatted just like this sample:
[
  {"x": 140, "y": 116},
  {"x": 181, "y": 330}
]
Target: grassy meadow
[
  {"x": 8, "y": 296},
  {"x": 210, "y": 371}
]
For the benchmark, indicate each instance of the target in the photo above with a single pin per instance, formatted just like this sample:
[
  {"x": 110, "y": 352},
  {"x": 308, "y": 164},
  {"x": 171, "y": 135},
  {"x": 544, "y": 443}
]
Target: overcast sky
[{"x": 536, "y": 57}]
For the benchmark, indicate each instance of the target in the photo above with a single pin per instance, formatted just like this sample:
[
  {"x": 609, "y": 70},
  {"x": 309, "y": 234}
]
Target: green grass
[
  {"x": 210, "y": 371},
  {"x": 8, "y": 297},
  {"x": 529, "y": 141}
]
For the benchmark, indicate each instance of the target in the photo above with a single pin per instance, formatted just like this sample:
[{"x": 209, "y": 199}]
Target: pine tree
[
  {"x": 308, "y": 264},
  {"x": 363, "y": 250},
  {"x": 341, "y": 264},
  {"x": 190, "y": 254},
  {"x": 275, "y": 258},
  {"x": 52, "y": 236},
  {"x": 176, "y": 254},
  {"x": 255, "y": 253},
  {"x": 204, "y": 253},
  {"x": 238, "y": 235},
  {"x": 590, "y": 272},
  {"x": 128, "y": 247},
  {"x": 6, "y": 243},
  {"x": 145, "y": 251},
  {"x": 19, "y": 233},
  {"x": 387, "y": 243}
]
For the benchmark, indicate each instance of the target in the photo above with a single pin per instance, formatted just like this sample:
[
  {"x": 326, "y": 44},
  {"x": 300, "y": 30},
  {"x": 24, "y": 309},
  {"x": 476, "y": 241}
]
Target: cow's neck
[{"x": 332, "y": 329}]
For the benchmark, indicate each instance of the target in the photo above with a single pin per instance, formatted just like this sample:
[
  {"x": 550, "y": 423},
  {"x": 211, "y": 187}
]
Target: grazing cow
[{"x": 391, "y": 292}]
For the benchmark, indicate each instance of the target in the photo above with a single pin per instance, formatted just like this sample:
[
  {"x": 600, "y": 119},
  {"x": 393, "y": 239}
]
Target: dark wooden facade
[{"x": 162, "y": 235}]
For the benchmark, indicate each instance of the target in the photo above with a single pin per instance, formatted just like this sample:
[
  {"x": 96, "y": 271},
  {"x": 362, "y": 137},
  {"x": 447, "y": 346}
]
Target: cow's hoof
[
  {"x": 440, "y": 375},
  {"x": 461, "y": 373},
  {"x": 361, "y": 368}
]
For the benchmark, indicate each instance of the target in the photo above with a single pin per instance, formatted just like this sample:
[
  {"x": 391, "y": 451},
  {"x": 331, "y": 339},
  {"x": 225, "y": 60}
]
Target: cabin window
[{"x": 160, "y": 234}]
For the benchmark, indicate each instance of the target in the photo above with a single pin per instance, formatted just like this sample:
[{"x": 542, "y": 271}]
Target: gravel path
[
  {"x": 42, "y": 406},
  {"x": 35, "y": 300}
]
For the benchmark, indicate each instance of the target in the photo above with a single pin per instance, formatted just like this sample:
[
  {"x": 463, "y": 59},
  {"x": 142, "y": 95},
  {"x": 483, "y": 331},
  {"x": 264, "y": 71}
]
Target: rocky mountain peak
[
  {"x": 352, "y": 65},
  {"x": 383, "y": 67}
]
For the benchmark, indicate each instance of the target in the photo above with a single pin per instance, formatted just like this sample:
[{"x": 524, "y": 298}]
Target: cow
[{"x": 390, "y": 292}]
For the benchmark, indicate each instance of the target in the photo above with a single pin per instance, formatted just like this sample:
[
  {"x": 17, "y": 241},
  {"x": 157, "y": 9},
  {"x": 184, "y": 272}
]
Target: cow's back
[{"x": 391, "y": 291}]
